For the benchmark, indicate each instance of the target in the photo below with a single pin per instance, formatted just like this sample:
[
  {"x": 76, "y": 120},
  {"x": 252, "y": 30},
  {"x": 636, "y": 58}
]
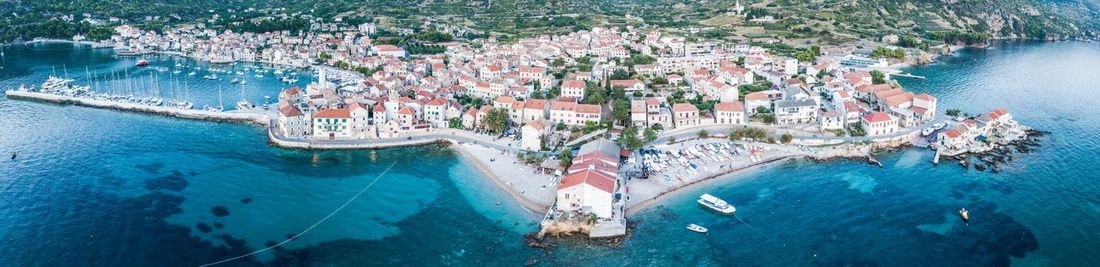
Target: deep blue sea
[{"x": 105, "y": 188}]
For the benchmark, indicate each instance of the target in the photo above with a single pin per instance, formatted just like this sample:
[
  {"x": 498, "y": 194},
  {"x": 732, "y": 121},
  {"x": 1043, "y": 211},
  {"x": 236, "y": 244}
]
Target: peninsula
[{"x": 584, "y": 128}]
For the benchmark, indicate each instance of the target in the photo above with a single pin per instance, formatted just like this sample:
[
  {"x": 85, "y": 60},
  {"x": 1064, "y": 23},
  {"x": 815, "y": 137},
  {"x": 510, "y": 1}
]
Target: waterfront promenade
[{"x": 799, "y": 136}]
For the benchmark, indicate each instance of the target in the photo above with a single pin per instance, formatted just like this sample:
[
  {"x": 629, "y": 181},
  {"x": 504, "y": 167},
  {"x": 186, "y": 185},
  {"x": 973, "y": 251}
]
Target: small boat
[
  {"x": 245, "y": 105},
  {"x": 192, "y": 73},
  {"x": 696, "y": 228},
  {"x": 965, "y": 215},
  {"x": 927, "y": 131},
  {"x": 142, "y": 63},
  {"x": 716, "y": 204}
]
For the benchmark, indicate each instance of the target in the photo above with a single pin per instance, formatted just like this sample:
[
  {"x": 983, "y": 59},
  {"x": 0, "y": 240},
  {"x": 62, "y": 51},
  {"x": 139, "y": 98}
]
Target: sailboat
[
  {"x": 244, "y": 104},
  {"x": 218, "y": 108}
]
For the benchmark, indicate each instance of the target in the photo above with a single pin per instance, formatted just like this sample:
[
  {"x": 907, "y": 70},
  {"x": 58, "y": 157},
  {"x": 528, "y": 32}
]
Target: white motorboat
[
  {"x": 716, "y": 204},
  {"x": 696, "y": 228},
  {"x": 927, "y": 131},
  {"x": 245, "y": 105}
]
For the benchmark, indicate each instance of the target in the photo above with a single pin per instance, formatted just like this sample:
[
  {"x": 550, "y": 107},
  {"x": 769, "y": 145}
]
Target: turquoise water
[{"x": 98, "y": 187}]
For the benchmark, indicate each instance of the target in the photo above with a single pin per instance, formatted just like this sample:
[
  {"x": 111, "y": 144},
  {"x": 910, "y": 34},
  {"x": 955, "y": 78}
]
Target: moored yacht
[
  {"x": 245, "y": 105},
  {"x": 716, "y": 204}
]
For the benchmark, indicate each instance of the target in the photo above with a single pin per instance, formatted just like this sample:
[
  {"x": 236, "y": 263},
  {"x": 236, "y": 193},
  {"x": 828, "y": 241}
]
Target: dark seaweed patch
[{"x": 220, "y": 211}]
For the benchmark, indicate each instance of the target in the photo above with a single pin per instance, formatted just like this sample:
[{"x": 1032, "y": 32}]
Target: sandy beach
[
  {"x": 644, "y": 193},
  {"x": 534, "y": 191}
]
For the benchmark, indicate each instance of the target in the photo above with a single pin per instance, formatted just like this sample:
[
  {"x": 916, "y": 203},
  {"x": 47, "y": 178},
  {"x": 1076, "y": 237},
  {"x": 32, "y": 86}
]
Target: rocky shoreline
[{"x": 995, "y": 158}]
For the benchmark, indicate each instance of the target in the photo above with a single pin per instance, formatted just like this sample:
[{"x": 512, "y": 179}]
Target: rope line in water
[
  {"x": 311, "y": 226},
  {"x": 750, "y": 226},
  {"x": 759, "y": 232}
]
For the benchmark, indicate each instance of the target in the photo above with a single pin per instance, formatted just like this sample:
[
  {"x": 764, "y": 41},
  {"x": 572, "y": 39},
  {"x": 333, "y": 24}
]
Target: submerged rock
[
  {"x": 172, "y": 182},
  {"x": 203, "y": 227},
  {"x": 246, "y": 200},
  {"x": 220, "y": 211},
  {"x": 218, "y": 225}
]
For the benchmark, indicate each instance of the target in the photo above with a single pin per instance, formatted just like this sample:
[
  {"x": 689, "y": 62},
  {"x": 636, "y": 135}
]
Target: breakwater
[{"x": 194, "y": 114}]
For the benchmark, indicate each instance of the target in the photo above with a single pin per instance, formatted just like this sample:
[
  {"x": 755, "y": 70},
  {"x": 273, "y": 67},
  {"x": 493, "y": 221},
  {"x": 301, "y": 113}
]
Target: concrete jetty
[{"x": 255, "y": 117}]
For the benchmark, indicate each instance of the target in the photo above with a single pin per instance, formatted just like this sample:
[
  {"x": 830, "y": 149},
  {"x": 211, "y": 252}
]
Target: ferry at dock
[{"x": 716, "y": 204}]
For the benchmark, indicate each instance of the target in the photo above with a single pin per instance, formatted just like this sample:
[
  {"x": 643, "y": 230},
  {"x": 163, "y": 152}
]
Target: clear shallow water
[{"x": 142, "y": 185}]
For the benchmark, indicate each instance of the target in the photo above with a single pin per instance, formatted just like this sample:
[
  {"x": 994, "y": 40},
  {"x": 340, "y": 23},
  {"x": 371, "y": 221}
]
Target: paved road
[{"x": 692, "y": 132}]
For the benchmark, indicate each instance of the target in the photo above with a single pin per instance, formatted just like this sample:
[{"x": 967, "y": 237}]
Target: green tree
[
  {"x": 621, "y": 111},
  {"x": 594, "y": 94},
  {"x": 786, "y": 138},
  {"x": 496, "y": 121},
  {"x": 703, "y": 134},
  {"x": 455, "y": 123},
  {"x": 629, "y": 138},
  {"x": 620, "y": 74},
  {"x": 342, "y": 65},
  {"x": 565, "y": 158},
  {"x": 952, "y": 112},
  {"x": 877, "y": 77},
  {"x": 650, "y": 135},
  {"x": 769, "y": 118}
]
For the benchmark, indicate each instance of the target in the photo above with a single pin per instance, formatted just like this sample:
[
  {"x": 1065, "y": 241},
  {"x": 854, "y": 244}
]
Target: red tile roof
[
  {"x": 290, "y": 111},
  {"x": 729, "y": 106},
  {"x": 876, "y": 117},
  {"x": 681, "y": 107},
  {"x": 573, "y": 84},
  {"x": 333, "y": 113},
  {"x": 588, "y": 108},
  {"x": 593, "y": 178},
  {"x": 756, "y": 96},
  {"x": 563, "y": 105}
]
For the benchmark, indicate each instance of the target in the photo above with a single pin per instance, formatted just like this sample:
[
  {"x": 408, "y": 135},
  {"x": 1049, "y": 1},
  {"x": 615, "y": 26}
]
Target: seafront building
[
  {"x": 591, "y": 186},
  {"x": 977, "y": 135}
]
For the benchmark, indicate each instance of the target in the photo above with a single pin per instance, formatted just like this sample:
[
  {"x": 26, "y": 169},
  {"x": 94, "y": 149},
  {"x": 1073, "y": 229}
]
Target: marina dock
[{"x": 256, "y": 117}]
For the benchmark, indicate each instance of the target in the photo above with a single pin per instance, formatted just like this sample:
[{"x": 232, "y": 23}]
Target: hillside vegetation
[{"x": 817, "y": 21}]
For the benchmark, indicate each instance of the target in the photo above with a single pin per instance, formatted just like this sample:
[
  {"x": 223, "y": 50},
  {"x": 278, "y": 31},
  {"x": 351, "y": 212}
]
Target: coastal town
[{"x": 595, "y": 124}]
